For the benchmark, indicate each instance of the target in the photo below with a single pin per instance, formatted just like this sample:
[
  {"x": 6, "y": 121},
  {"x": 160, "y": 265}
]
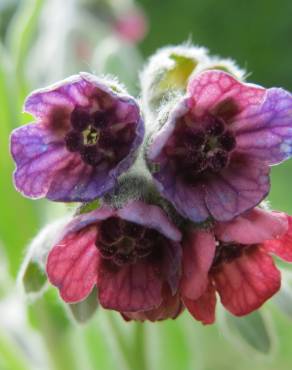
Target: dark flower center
[
  {"x": 197, "y": 150},
  {"x": 228, "y": 252},
  {"x": 100, "y": 137},
  {"x": 123, "y": 242}
]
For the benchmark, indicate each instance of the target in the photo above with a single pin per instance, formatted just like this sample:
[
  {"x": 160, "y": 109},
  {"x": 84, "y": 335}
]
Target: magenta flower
[
  {"x": 85, "y": 135},
  {"x": 132, "y": 255},
  {"x": 234, "y": 260},
  {"x": 212, "y": 155}
]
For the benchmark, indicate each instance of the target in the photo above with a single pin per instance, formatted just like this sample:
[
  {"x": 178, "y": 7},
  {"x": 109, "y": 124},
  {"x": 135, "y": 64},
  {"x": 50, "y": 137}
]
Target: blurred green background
[{"x": 42, "y": 41}]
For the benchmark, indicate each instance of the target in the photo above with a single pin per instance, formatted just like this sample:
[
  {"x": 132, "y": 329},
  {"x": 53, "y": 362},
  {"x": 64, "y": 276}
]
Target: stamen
[{"x": 90, "y": 136}]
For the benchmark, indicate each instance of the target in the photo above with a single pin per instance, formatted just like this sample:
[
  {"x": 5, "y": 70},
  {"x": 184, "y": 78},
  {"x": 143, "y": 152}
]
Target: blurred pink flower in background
[{"x": 132, "y": 25}]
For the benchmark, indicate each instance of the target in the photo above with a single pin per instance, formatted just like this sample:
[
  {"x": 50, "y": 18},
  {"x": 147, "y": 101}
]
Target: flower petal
[
  {"x": 247, "y": 282},
  {"x": 130, "y": 288},
  {"x": 64, "y": 94},
  {"x": 188, "y": 200},
  {"x": 238, "y": 188},
  {"x": 213, "y": 90},
  {"x": 254, "y": 227},
  {"x": 265, "y": 132},
  {"x": 281, "y": 247},
  {"x": 203, "y": 308},
  {"x": 170, "y": 269},
  {"x": 170, "y": 308},
  {"x": 80, "y": 222},
  {"x": 79, "y": 182},
  {"x": 156, "y": 218},
  {"x": 72, "y": 265},
  {"x": 198, "y": 254},
  {"x": 39, "y": 155}
]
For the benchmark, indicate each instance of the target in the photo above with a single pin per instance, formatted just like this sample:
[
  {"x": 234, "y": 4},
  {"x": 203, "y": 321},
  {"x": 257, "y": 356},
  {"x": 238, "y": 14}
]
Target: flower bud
[{"x": 168, "y": 72}]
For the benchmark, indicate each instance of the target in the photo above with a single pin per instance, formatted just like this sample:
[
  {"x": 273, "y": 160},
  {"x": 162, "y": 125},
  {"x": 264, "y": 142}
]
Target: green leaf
[
  {"x": 249, "y": 332},
  {"x": 84, "y": 311},
  {"x": 34, "y": 278}
]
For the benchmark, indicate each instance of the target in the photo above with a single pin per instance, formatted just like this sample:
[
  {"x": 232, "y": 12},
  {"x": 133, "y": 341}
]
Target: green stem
[
  {"x": 131, "y": 354},
  {"x": 116, "y": 341},
  {"x": 60, "y": 350},
  {"x": 139, "y": 346}
]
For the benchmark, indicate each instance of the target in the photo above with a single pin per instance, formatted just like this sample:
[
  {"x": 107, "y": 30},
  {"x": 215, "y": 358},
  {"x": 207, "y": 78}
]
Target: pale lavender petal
[
  {"x": 188, "y": 200},
  {"x": 82, "y": 221},
  {"x": 150, "y": 216},
  {"x": 266, "y": 131},
  {"x": 238, "y": 188},
  {"x": 39, "y": 155}
]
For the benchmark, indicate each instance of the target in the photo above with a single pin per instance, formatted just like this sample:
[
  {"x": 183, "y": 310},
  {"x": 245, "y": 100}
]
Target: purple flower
[
  {"x": 211, "y": 158},
  {"x": 132, "y": 254},
  {"x": 85, "y": 135}
]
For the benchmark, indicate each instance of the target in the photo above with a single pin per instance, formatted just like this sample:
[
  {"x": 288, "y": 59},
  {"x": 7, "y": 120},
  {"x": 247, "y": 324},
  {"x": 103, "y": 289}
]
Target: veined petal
[
  {"x": 281, "y": 246},
  {"x": 247, "y": 282},
  {"x": 130, "y": 288},
  {"x": 218, "y": 92},
  {"x": 39, "y": 155},
  {"x": 238, "y": 188},
  {"x": 64, "y": 94},
  {"x": 203, "y": 308},
  {"x": 265, "y": 132},
  {"x": 254, "y": 227},
  {"x": 188, "y": 200},
  {"x": 198, "y": 254},
  {"x": 72, "y": 265}
]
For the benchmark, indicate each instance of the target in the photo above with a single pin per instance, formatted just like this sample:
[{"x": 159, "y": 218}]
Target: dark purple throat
[
  {"x": 196, "y": 149},
  {"x": 123, "y": 242},
  {"x": 100, "y": 137}
]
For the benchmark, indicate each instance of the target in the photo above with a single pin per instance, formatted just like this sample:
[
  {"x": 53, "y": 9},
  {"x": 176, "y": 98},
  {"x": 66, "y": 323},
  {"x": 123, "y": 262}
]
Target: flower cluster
[{"x": 180, "y": 215}]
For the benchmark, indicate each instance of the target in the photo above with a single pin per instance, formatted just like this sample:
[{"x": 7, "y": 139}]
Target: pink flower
[
  {"x": 131, "y": 254},
  {"x": 212, "y": 154},
  {"x": 234, "y": 259}
]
